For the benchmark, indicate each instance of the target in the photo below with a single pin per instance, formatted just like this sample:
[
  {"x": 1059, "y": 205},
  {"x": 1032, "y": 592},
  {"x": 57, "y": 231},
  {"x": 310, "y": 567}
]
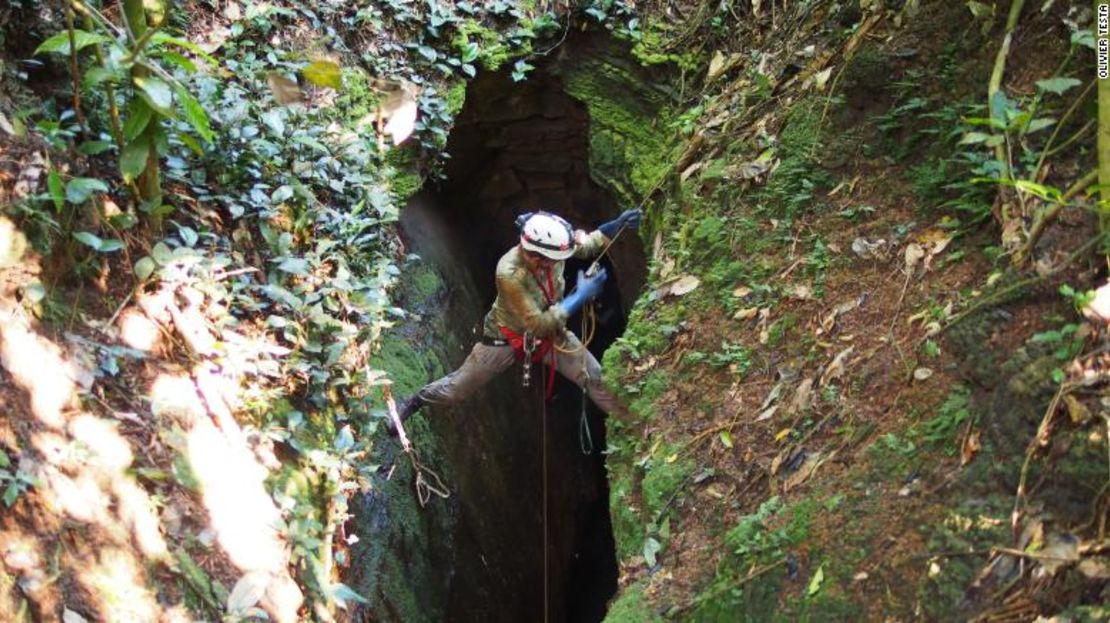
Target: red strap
[
  {"x": 549, "y": 292},
  {"x": 543, "y": 348}
]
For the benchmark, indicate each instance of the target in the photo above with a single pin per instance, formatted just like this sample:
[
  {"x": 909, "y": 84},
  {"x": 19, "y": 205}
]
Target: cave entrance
[{"x": 518, "y": 147}]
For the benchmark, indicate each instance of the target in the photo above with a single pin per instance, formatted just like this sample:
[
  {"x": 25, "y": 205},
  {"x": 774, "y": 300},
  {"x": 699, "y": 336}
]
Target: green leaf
[
  {"x": 188, "y": 236},
  {"x": 89, "y": 239},
  {"x": 726, "y": 439},
  {"x": 57, "y": 192},
  {"x": 10, "y": 495},
  {"x": 1037, "y": 125},
  {"x": 815, "y": 583},
  {"x": 324, "y": 74},
  {"x": 995, "y": 140},
  {"x": 195, "y": 114},
  {"x": 156, "y": 93},
  {"x": 1058, "y": 85},
  {"x": 92, "y": 148},
  {"x": 342, "y": 593},
  {"x": 181, "y": 61},
  {"x": 59, "y": 43},
  {"x": 651, "y": 548},
  {"x": 282, "y": 193},
  {"x": 469, "y": 70},
  {"x": 79, "y": 189},
  {"x": 137, "y": 118},
  {"x": 470, "y": 53},
  {"x": 1047, "y": 193},
  {"x": 973, "y": 138},
  {"x": 144, "y": 268},
  {"x": 134, "y": 157},
  {"x": 294, "y": 265},
  {"x": 111, "y": 244},
  {"x": 1085, "y": 37},
  {"x": 160, "y": 38},
  {"x": 162, "y": 253},
  {"x": 427, "y": 52},
  {"x": 4, "y": 461}
]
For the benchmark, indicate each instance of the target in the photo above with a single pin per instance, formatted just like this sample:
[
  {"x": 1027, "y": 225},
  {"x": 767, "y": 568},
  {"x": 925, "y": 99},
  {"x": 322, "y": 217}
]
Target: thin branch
[{"x": 1062, "y": 122}]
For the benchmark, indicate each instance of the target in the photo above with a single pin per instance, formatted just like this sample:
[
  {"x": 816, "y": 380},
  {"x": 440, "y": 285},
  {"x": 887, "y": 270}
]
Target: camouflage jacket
[{"x": 525, "y": 302}]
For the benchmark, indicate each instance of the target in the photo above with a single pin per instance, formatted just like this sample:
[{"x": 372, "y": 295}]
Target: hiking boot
[{"x": 408, "y": 407}]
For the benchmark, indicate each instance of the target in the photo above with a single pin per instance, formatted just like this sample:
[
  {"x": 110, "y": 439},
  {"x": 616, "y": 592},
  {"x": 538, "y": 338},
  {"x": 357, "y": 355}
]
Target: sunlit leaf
[
  {"x": 156, "y": 93},
  {"x": 133, "y": 158},
  {"x": 57, "y": 191},
  {"x": 973, "y": 138},
  {"x": 179, "y": 60},
  {"x": 79, "y": 189},
  {"x": 651, "y": 548},
  {"x": 59, "y": 43},
  {"x": 1037, "y": 125},
  {"x": 815, "y": 583},
  {"x": 1058, "y": 85},
  {"x": 726, "y": 439},
  {"x": 195, "y": 114},
  {"x": 88, "y": 239},
  {"x": 160, "y": 38},
  {"x": 10, "y": 495},
  {"x": 144, "y": 268},
  {"x": 324, "y": 74},
  {"x": 342, "y": 594},
  {"x": 247, "y": 591}
]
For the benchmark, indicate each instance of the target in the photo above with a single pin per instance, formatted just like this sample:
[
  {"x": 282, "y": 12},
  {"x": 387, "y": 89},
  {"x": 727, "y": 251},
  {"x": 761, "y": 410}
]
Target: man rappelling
[{"x": 527, "y": 322}]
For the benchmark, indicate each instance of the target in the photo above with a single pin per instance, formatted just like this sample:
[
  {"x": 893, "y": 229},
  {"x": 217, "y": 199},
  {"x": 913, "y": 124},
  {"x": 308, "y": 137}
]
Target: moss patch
[
  {"x": 631, "y": 607},
  {"x": 631, "y": 145}
]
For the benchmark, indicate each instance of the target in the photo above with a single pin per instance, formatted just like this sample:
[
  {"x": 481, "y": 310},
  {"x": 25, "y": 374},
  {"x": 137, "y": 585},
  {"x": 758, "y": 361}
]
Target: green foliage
[
  {"x": 631, "y": 607},
  {"x": 791, "y": 190},
  {"x": 664, "y": 473},
  {"x": 14, "y": 481},
  {"x": 944, "y": 428},
  {"x": 757, "y": 539}
]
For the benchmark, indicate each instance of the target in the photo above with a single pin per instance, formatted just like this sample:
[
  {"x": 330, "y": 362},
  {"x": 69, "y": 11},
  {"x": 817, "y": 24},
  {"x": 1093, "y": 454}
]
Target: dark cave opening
[{"x": 519, "y": 147}]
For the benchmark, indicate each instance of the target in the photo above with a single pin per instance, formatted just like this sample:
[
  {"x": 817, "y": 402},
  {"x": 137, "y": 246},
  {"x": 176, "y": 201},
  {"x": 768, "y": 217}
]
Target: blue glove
[
  {"x": 586, "y": 290},
  {"x": 629, "y": 219}
]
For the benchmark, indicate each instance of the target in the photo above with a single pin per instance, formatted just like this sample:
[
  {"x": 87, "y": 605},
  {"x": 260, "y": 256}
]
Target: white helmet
[{"x": 548, "y": 235}]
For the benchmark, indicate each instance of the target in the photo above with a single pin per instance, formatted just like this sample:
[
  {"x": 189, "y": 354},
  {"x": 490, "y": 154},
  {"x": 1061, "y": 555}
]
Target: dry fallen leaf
[
  {"x": 822, "y": 78},
  {"x": 803, "y": 396},
  {"x": 767, "y": 413},
  {"x": 1078, "y": 411},
  {"x": 684, "y": 285},
  {"x": 802, "y": 292},
  {"x": 922, "y": 373},
  {"x": 913, "y": 255},
  {"x": 746, "y": 314},
  {"x": 970, "y": 448},
  {"x": 741, "y": 291},
  {"x": 837, "y": 367}
]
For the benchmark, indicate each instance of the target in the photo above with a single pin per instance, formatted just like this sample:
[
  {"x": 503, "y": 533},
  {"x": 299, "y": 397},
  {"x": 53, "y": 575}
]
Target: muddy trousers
[{"x": 486, "y": 362}]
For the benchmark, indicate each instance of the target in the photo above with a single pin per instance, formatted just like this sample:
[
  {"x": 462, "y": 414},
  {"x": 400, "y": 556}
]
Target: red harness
[{"x": 541, "y": 348}]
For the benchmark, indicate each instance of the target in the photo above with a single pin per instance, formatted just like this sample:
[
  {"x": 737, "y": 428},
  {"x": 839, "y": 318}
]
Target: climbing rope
[
  {"x": 428, "y": 482},
  {"x": 543, "y": 443}
]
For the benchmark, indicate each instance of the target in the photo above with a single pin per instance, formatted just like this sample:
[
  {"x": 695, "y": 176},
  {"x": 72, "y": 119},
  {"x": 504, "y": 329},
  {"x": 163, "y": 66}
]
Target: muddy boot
[{"x": 407, "y": 408}]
